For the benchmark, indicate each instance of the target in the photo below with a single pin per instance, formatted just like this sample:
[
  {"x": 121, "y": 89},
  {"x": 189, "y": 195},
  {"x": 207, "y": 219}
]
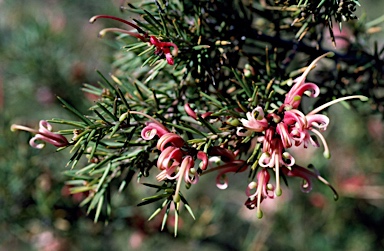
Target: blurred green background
[{"x": 48, "y": 48}]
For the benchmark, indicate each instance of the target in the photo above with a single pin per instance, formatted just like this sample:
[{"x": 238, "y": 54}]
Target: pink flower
[
  {"x": 255, "y": 120},
  {"x": 193, "y": 114},
  {"x": 262, "y": 190},
  {"x": 161, "y": 48},
  {"x": 301, "y": 172},
  {"x": 44, "y": 134},
  {"x": 169, "y": 139},
  {"x": 276, "y": 158},
  {"x": 296, "y": 127},
  {"x": 174, "y": 162},
  {"x": 152, "y": 129},
  {"x": 307, "y": 176},
  {"x": 164, "y": 48},
  {"x": 293, "y": 97},
  {"x": 230, "y": 165}
]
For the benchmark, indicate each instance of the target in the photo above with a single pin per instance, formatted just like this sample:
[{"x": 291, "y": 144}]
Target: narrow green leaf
[
  {"x": 187, "y": 206},
  {"x": 176, "y": 218},
  {"x": 153, "y": 186},
  {"x": 95, "y": 200},
  {"x": 164, "y": 24},
  {"x": 180, "y": 32},
  {"x": 67, "y": 122},
  {"x": 86, "y": 201},
  {"x": 95, "y": 146},
  {"x": 165, "y": 217},
  {"x": 74, "y": 111},
  {"x": 200, "y": 47},
  {"x": 114, "y": 129},
  {"x": 80, "y": 189},
  {"x": 149, "y": 49},
  {"x": 106, "y": 111},
  {"x": 152, "y": 19},
  {"x": 135, "y": 46},
  {"x": 101, "y": 182},
  {"x": 242, "y": 83},
  {"x": 146, "y": 26},
  {"x": 95, "y": 166},
  {"x": 109, "y": 85},
  {"x": 149, "y": 201},
  {"x": 98, "y": 209},
  {"x": 122, "y": 186},
  {"x": 210, "y": 127},
  {"x": 185, "y": 127},
  {"x": 212, "y": 99},
  {"x": 75, "y": 182},
  {"x": 157, "y": 211}
]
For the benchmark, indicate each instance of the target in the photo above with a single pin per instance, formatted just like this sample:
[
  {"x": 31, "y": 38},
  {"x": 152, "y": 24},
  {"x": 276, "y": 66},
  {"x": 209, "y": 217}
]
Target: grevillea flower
[
  {"x": 275, "y": 158},
  {"x": 255, "y": 120},
  {"x": 152, "y": 129},
  {"x": 193, "y": 114},
  {"x": 301, "y": 172},
  {"x": 230, "y": 165},
  {"x": 44, "y": 134},
  {"x": 293, "y": 97},
  {"x": 164, "y": 48},
  {"x": 262, "y": 190},
  {"x": 160, "y": 47},
  {"x": 307, "y": 176},
  {"x": 173, "y": 162},
  {"x": 297, "y": 127},
  {"x": 280, "y": 131}
]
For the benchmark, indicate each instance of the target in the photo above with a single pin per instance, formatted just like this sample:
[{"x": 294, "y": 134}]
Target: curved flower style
[
  {"x": 293, "y": 97},
  {"x": 263, "y": 190},
  {"x": 44, "y": 134},
  {"x": 160, "y": 47},
  {"x": 152, "y": 129},
  {"x": 305, "y": 174},
  {"x": 231, "y": 165}
]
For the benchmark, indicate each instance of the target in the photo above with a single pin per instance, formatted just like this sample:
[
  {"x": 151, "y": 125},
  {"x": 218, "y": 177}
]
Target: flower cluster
[
  {"x": 174, "y": 162},
  {"x": 280, "y": 130}
]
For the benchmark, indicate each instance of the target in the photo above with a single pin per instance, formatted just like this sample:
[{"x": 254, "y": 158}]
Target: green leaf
[
  {"x": 109, "y": 85},
  {"x": 98, "y": 209},
  {"x": 74, "y": 111},
  {"x": 152, "y": 199},
  {"x": 188, "y": 128},
  {"x": 187, "y": 206},
  {"x": 152, "y": 20},
  {"x": 101, "y": 181},
  {"x": 165, "y": 217}
]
